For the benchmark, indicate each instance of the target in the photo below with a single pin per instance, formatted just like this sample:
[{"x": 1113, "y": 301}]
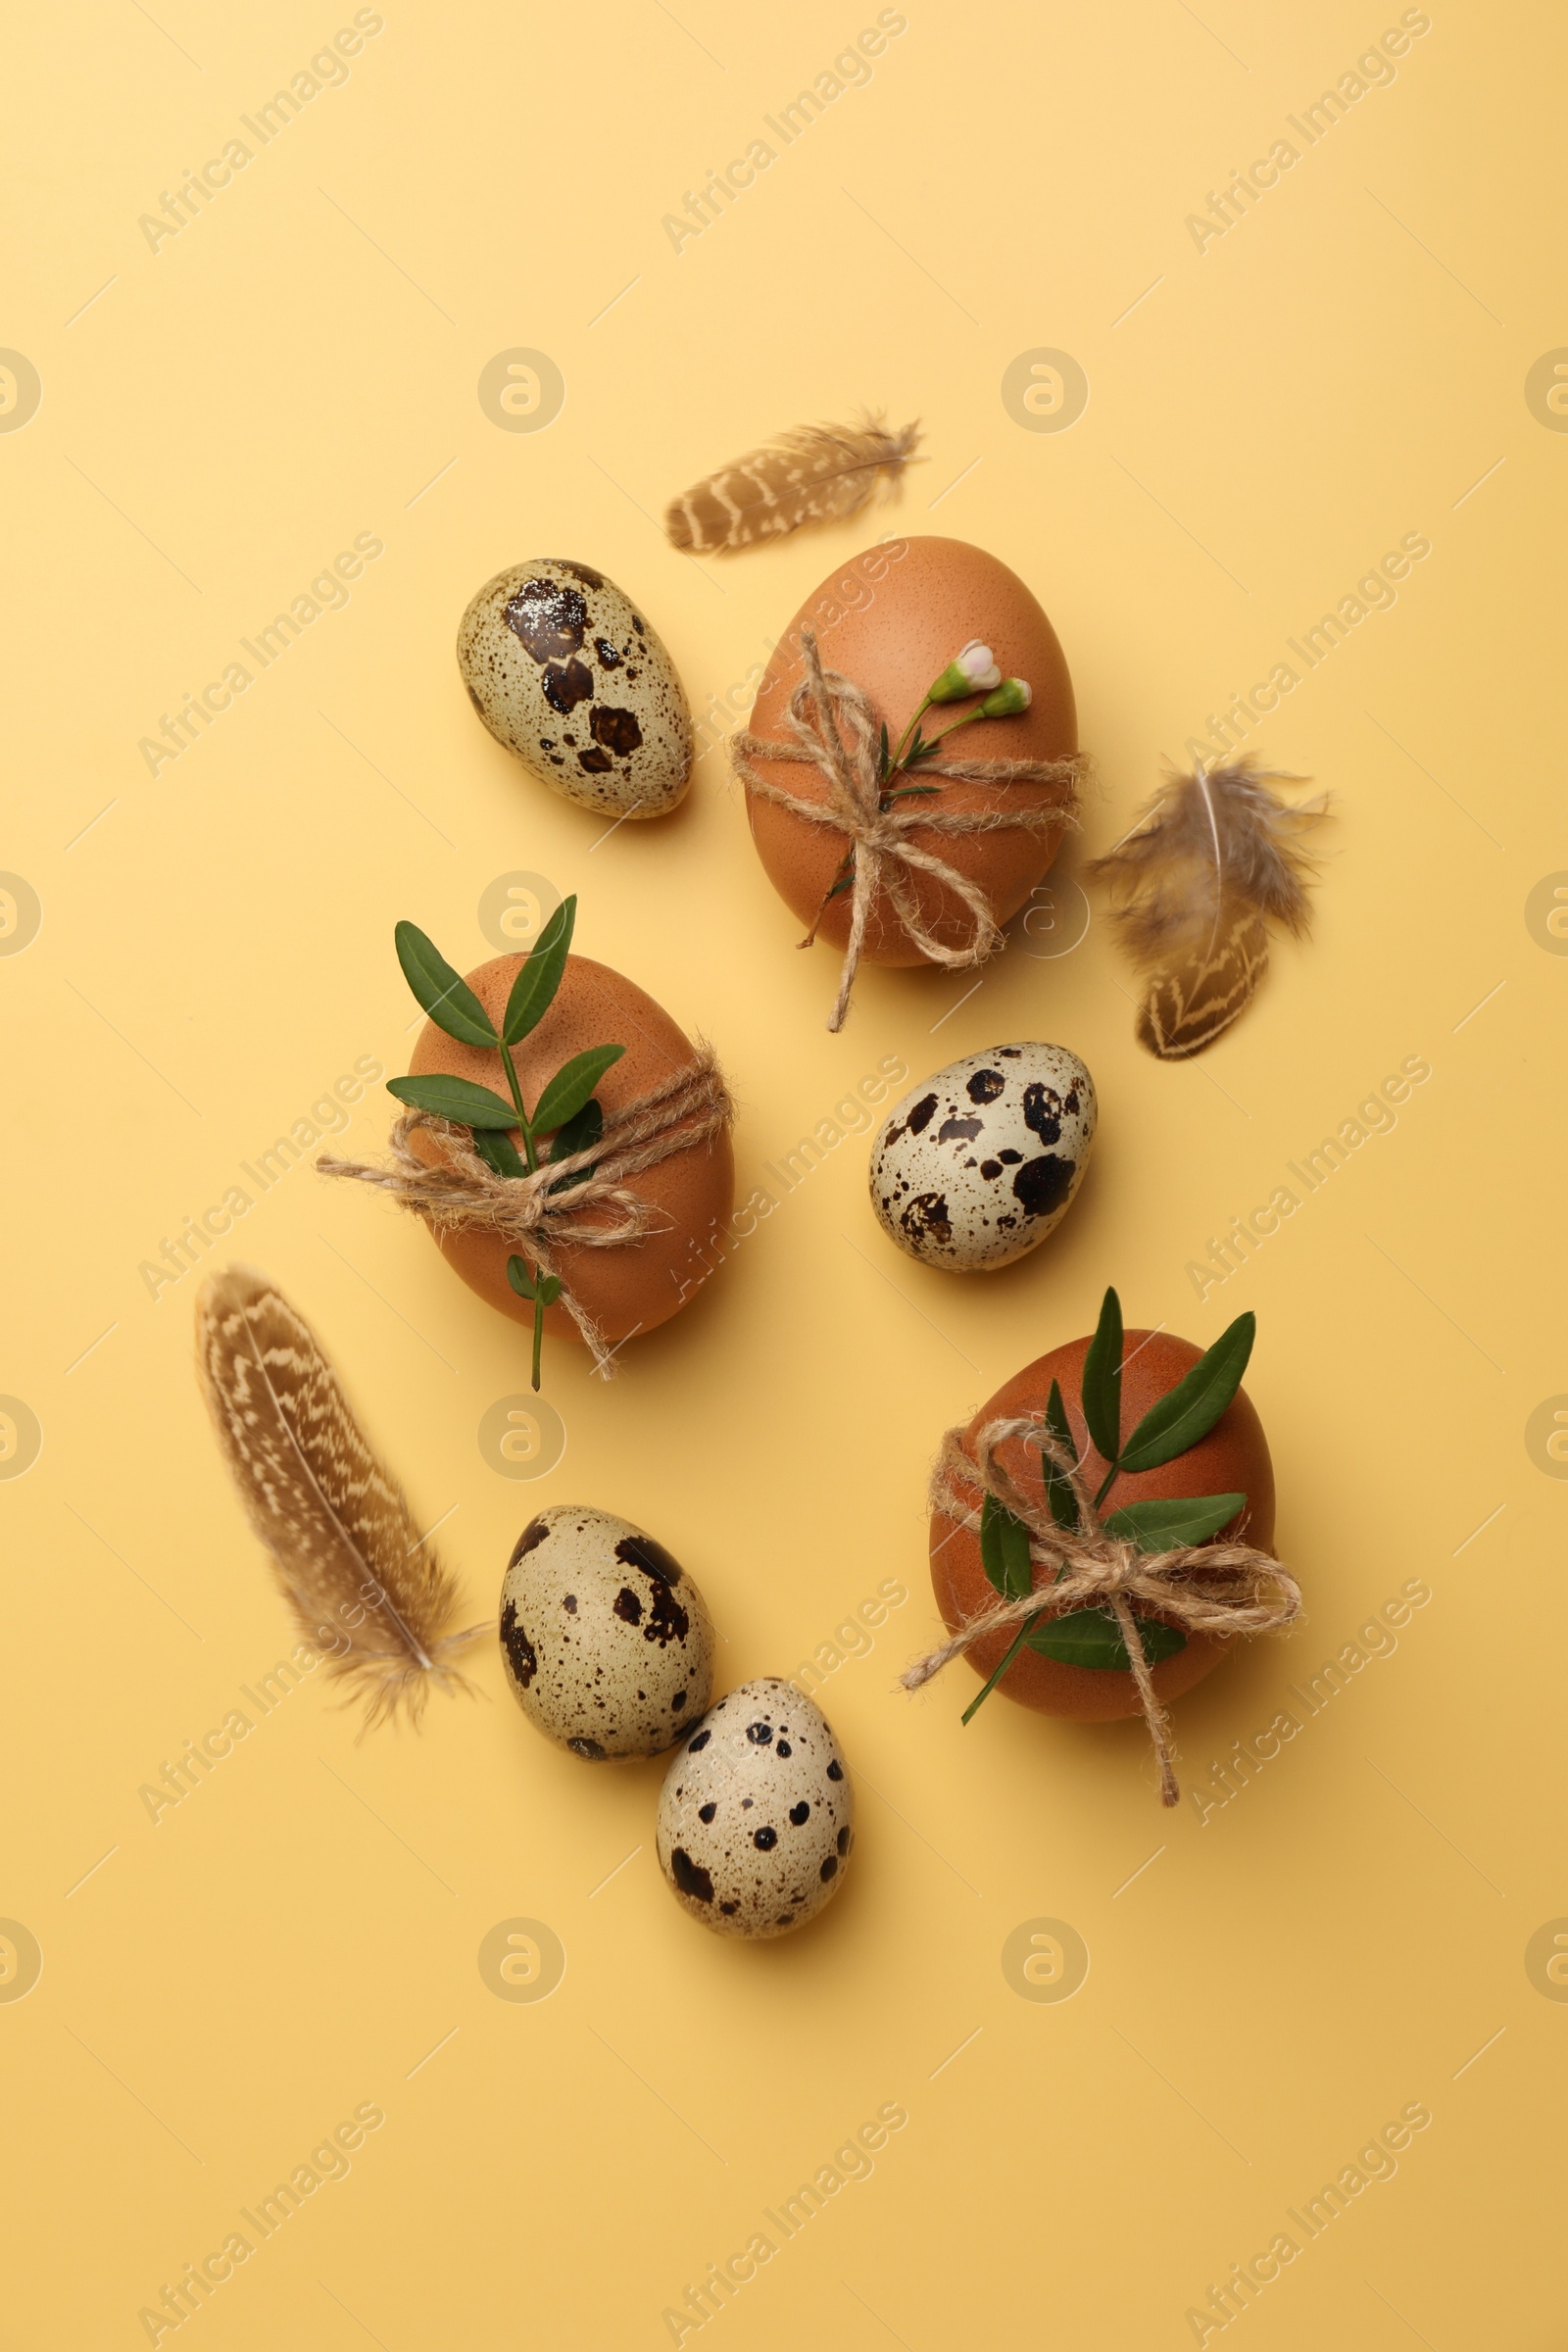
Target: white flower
[
  {"x": 979, "y": 665},
  {"x": 973, "y": 671}
]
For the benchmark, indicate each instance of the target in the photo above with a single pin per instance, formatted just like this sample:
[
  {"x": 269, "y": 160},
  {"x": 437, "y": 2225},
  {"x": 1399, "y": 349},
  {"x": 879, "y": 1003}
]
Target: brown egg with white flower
[{"x": 906, "y": 614}]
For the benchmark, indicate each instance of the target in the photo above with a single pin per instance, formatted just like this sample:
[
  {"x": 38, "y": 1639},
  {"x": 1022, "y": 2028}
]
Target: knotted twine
[
  {"x": 834, "y": 728},
  {"x": 529, "y": 1213},
  {"x": 1220, "y": 1589}
]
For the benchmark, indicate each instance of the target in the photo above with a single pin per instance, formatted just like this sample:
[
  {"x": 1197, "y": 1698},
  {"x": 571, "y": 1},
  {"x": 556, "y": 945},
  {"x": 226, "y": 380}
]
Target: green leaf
[
  {"x": 1101, "y": 1381},
  {"x": 499, "y": 1152},
  {"x": 518, "y": 1276},
  {"x": 1058, "y": 1492},
  {"x": 1093, "y": 1638},
  {"x": 1189, "y": 1411},
  {"x": 570, "y": 1087},
  {"x": 578, "y": 1135},
  {"x": 844, "y": 883},
  {"x": 883, "y": 770},
  {"x": 548, "y": 1290},
  {"x": 1004, "y": 1549},
  {"x": 1187, "y": 1519},
  {"x": 912, "y": 792},
  {"x": 446, "y": 996},
  {"x": 539, "y": 976},
  {"x": 454, "y": 1098}
]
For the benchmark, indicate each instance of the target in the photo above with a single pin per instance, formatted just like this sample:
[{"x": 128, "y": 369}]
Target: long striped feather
[{"x": 362, "y": 1585}]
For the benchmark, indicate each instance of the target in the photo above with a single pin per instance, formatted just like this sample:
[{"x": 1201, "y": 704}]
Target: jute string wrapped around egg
[
  {"x": 532, "y": 1213},
  {"x": 1219, "y": 1589},
  {"x": 834, "y": 727}
]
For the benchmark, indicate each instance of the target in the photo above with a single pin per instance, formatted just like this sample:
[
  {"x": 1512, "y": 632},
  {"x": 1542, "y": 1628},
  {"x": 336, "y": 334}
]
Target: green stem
[
  {"x": 905, "y": 738},
  {"x": 1018, "y": 1641},
  {"x": 529, "y": 1153},
  {"x": 845, "y": 869},
  {"x": 896, "y": 763},
  {"x": 1111, "y": 1476},
  {"x": 532, "y": 1158},
  {"x": 956, "y": 724}
]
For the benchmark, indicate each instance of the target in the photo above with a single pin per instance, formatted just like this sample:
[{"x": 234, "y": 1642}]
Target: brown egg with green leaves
[
  {"x": 552, "y": 1061},
  {"x": 1170, "y": 1453}
]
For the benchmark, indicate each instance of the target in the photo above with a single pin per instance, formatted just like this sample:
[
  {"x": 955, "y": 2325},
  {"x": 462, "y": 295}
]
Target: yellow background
[{"x": 300, "y": 365}]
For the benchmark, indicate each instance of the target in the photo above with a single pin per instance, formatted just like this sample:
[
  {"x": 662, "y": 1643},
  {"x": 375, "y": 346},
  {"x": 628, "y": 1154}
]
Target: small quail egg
[
  {"x": 978, "y": 1165},
  {"x": 755, "y": 1818},
  {"x": 564, "y": 671},
  {"x": 607, "y": 1642}
]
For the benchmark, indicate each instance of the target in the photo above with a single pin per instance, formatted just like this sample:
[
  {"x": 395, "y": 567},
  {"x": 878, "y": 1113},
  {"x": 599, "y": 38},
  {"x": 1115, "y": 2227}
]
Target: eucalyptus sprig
[
  {"x": 972, "y": 672},
  {"x": 1173, "y": 1424},
  {"x": 566, "y": 1110}
]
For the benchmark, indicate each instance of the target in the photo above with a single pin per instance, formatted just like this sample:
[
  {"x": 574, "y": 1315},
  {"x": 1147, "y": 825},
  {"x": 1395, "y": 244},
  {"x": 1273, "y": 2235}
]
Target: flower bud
[
  {"x": 1008, "y": 699},
  {"x": 973, "y": 671}
]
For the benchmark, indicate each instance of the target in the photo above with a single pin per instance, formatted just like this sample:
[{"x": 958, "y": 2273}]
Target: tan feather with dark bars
[
  {"x": 818, "y": 474},
  {"x": 344, "y": 1548},
  {"x": 1211, "y": 863}
]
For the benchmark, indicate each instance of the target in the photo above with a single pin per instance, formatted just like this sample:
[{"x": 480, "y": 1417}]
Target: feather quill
[
  {"x": 344, "y": 1549},
  {"x": 1209, "y": 866},
  {"x": 818, "y": 474}
]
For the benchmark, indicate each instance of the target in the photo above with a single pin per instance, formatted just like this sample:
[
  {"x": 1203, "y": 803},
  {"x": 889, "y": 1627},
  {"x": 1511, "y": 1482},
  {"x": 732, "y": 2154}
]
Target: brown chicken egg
[
  {"x": 892, "y": 620},
  {"x": 1233, "y": 1459},
  {"x": 636, "y": 1285}
]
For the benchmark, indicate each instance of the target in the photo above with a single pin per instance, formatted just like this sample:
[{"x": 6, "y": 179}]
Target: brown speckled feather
[
  {"x": 818, "y": 474},
  {"x": 360, "y": 1584},
  {"x": 1208, "y": 866}
]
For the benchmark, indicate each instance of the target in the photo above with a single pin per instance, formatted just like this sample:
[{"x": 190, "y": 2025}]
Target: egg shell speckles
[
  {"x": 977, "y": 1165},
  {"x": 756, "y": 1816},
  {"x": 607, "y": 1642},
  {"x": 566, "y": 672}
]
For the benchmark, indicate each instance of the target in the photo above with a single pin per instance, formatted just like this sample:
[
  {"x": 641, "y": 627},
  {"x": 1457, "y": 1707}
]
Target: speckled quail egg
[
  {"x": 607, "y": 1642},
  {"x": 974, "y": 1168},
  {"x": 564, "y": 671},
  {"x": 756, "y": 1819}
]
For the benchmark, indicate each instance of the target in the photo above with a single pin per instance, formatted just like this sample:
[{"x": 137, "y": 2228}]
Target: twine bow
[
  {"x": 834, "y": 727},
  {"x": 1219, "y": 1589},
  {"x": 533, "y": 1213}
]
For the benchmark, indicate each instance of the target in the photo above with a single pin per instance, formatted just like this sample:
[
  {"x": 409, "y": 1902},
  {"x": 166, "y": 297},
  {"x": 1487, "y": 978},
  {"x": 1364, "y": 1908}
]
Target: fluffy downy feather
[
  {"x": 336, "y": 1523},
  {"x": 818, "y": 474},
  {"x": 1209, "y": 866}
]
